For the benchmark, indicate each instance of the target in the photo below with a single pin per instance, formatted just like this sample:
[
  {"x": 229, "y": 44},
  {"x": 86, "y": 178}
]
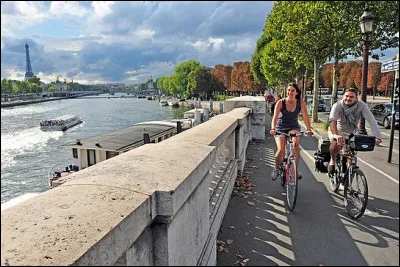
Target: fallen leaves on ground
[{"x": 250, "y": 203}]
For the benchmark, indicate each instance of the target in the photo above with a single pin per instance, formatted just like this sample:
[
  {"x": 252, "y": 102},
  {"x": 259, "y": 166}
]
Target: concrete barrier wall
[{"x": 159, "y": 204}]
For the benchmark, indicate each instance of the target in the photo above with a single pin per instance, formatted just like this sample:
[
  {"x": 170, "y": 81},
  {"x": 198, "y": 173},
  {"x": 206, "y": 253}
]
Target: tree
[
  {"x": 222, "y": 75},
  {"x": 179, "y": 80},
  {"x": 299, "y": 34},
  {"x": 34, "y": 79},
  {"x": 201, "y": 82},
  {"x": 374, "y": 76},
  {"x": 6, "y": 86}
]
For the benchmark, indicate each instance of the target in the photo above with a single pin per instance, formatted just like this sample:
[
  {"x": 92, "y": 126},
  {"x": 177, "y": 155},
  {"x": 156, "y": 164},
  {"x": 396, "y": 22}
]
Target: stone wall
[{"x": 159, "y": 204}]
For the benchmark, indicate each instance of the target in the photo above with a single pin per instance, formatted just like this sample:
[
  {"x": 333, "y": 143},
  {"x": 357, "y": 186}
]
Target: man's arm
[
  {"x": 368, "y": 116},
  {"x": 333, "y": 118}
]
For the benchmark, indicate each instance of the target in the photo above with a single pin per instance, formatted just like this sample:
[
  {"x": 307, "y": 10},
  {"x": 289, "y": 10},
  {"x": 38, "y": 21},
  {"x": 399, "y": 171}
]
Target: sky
[{"x": 127, "y": 42}]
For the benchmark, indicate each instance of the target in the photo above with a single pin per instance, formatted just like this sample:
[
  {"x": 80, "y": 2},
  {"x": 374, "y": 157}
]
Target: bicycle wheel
[
  {"x": 291, "y": 184},
  {"x": 356, "y": 194}
]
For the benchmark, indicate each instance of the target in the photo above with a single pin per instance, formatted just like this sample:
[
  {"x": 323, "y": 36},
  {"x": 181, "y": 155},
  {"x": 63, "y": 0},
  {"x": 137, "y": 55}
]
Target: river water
[{"x": 29, "y": 154}]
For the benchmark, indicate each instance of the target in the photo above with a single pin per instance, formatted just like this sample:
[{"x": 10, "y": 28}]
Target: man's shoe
[
  {"x": 331, "y": 169},
  {"x": 275, "y": 173}
]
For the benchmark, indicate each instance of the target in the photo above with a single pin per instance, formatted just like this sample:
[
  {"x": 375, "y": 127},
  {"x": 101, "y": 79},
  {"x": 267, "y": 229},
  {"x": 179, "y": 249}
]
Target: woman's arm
[{"x": 277, "y": 110}]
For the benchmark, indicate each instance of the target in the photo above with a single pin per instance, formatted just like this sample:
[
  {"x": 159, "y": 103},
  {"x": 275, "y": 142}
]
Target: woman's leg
[
  {"x": 296, "y": 147},
  {"x": 280, "y": 150}
]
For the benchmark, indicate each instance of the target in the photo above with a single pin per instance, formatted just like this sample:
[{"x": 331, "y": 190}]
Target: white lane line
[{"x": 381, "y": 172}]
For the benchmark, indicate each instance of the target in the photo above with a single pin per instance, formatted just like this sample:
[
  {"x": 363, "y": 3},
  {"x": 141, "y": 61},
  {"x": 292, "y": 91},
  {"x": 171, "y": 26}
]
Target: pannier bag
[
  {"x": 321, "y": 161},
  {"x": 360, "y": 142},
  {"x": 323, "y": 145}
]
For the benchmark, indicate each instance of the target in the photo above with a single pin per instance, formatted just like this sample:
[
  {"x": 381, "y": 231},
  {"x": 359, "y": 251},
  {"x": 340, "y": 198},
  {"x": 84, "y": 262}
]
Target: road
[{"x": 258, "y": 230}]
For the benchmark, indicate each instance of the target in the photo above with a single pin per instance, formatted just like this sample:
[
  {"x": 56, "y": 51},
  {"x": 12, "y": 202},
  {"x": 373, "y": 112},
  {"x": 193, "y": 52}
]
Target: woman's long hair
[{"x": 296, "y": 86}]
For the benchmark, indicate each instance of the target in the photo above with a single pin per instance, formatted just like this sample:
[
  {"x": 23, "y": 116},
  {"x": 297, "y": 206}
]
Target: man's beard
[{"x": 351, "y": 104}]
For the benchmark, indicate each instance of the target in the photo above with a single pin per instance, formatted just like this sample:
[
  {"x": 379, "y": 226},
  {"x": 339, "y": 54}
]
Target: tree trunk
[
  {"x": 304, "y": 86},
  {"x": 315, "y": 91}
]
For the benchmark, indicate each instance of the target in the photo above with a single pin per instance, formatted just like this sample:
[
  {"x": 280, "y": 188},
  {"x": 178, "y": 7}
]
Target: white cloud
[
  {"x": 144, "y": 33},
  {"x": 20, "y": 14},
  {"x": 74, "y": 8},
  {"x": 210, "y": 44},
  {"x": 102, "y": 8}
]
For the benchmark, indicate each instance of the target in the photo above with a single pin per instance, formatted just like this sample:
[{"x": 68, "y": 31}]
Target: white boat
[
  {"x": 163, "y": 102},
  {"x": 60, "y": 123}
]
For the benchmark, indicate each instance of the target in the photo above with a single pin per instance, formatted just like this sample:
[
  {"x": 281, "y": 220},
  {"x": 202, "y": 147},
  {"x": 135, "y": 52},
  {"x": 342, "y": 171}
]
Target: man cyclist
[
  {"x": 343, "y": 120},
  {"x": 270, "y": 99},
  {"x": 286, "y": 119}
]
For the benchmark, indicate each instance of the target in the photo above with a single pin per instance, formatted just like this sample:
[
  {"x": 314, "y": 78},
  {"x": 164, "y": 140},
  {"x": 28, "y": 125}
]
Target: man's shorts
[{"x": 330, "y": 135}]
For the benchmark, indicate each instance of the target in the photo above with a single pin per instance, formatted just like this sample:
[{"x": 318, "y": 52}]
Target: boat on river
[{"x": 60, "y": 123}]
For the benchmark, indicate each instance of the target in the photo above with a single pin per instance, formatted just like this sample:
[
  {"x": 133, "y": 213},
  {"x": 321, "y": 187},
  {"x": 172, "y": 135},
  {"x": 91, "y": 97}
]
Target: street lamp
[{"x": 366, "y": 22}]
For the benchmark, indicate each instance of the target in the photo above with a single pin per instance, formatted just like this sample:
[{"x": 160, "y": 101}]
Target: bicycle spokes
[
  {"x": 291, "y": 185},
  {"x": 356, "y": 194}
]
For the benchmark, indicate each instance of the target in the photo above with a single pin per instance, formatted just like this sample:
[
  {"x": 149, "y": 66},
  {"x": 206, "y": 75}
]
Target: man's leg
[{"x": 334, "y": 150}]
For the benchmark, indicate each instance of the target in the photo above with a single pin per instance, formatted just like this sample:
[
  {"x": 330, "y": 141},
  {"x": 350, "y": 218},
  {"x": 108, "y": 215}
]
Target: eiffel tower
[{"x": 28, "y": 72}]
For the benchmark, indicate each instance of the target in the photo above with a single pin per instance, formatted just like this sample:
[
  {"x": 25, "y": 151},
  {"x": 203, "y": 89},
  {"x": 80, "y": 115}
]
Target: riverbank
[{"x": 27, "y": 102}]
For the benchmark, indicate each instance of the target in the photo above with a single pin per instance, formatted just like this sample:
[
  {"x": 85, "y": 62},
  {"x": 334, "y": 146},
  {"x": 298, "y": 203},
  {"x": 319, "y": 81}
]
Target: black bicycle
[
  {"x": 288, "y": 170},
  {"x": 351, "y": 176}
]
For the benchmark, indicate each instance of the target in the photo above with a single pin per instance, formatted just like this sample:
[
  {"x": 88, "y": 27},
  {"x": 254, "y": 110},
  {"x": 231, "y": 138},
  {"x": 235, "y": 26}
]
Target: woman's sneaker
[{"x": 275, "y": 173}]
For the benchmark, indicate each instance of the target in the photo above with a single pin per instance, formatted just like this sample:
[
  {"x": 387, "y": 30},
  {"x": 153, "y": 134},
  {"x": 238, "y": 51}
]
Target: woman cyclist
[{"x": 286, "y": 120}]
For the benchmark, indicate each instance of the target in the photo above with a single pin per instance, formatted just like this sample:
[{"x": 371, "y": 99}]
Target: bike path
[{"x": 319, "y": 231}]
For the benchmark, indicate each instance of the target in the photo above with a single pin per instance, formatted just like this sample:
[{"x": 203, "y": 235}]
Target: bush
[{"x": 326, "y": 125}]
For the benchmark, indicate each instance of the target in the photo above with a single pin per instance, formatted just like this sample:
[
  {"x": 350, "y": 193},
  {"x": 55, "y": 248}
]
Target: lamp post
[{"x": 366, "y": 22}]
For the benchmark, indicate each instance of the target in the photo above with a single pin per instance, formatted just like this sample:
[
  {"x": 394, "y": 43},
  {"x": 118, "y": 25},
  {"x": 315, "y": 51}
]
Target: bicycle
[
  {"x": 351, "y": 176},
  {"x": 288, "y": 170}
]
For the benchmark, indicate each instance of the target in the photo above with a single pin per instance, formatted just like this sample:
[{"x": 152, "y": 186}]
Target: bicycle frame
[
  {"x": 289, "y": 151},
  {"x": 351, "y": 162}
]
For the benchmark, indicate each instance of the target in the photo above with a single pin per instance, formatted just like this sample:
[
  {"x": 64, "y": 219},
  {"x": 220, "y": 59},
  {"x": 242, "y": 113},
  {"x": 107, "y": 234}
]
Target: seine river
[{"x": 28, "y": 154}]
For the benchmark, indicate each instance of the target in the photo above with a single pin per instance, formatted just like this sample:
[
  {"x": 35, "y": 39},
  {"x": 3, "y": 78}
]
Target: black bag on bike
[
  {"x": 321, "y": 161},
  {"x": 360, "y": 142},
  {"x": 323, "y": 145}
]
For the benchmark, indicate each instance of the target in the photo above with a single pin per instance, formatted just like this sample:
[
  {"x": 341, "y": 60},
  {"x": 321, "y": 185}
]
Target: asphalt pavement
[{"x": 258, "y": 229}]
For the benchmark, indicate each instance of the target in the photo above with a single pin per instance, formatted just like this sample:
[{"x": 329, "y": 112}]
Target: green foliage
[
  {"x": 222, "y": 97},
  {"x": 51, "y": 88},
  {"x": 6, "y": 86},
  {"x": 180, "y": 77},
  {"x": 326, "y": 125},
  {"x": 200, "y": 81},
  {"x": 34, "y": 79}
]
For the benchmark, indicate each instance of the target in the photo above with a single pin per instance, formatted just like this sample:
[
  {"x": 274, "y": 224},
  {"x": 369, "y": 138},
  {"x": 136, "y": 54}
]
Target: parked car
[
  {"x": 321, "y": 105},
  {"x": 383, "y": 114}
]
